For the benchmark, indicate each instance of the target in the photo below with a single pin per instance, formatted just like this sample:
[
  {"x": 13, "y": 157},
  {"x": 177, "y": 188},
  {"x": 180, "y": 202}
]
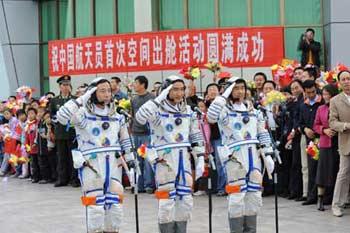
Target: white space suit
[
  {"x": 102, "y": 138},
  {"x": 242, "y": 129},
  {"x": 174, "y": 130}
]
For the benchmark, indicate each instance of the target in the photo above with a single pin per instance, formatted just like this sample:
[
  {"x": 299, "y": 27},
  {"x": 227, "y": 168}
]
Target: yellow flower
[
  {"x": 275, "y": 67},
  {"x": 124, "y": 103},
  {"x": 274, "y": 97},
  {"x": 196, "y": 73}
]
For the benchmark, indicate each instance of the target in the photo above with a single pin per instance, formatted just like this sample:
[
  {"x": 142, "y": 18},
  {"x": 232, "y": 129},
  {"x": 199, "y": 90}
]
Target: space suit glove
[
  {"x": 200, "y": 167},
  {"x": 268, "y": 151},
  {"x": 163, "y": 95},
  {"x": 82, "y": 100},
  {"x": 269, "y": 164},
  {"x": 228, "y": 91},
  {"x": 78, "y": 159}
]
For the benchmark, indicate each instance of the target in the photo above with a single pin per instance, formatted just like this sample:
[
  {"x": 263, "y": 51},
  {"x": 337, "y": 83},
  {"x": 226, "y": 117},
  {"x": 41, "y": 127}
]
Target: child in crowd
[
  {"x": 22, "y": 170},
  {"x": 31, "y": 133},
  {"x": 42, "y": 147},
  {"x": 51, "y": 149},
  {"x": 7, "y": 133}
]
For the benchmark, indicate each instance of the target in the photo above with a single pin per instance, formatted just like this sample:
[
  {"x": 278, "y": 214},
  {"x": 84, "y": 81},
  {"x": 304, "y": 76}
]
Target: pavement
[{"x": 39, "y": 208}]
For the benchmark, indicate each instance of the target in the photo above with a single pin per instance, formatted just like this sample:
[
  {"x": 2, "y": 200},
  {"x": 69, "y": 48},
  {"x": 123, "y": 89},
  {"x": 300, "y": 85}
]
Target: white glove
[
  {"x": 151, "y": 155},
  {"x": 82, "y": 100},
  {"x": 163, "y": 95},
  {"x": 268, "y": 150},
  {"x": 198, "y": 150},
  {"x": 78, "y": 159},
  {"x": 270, "y": 165},
  {"x": 228, "y": 91},
  {"x": 199, "y": 167}
]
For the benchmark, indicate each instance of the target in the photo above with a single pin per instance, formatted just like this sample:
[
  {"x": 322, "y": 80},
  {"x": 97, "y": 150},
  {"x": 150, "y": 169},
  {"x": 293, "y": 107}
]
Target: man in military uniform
[{"x": 65, "y": 136}]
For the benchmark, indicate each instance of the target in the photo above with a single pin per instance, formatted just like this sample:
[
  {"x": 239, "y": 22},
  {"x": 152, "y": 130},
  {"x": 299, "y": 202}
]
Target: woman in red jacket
[{"x": 328, "y": 146}]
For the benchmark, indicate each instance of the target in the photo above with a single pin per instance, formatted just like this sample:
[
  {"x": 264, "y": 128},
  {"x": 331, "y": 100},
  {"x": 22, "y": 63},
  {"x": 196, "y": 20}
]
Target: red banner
[{"x": 165, "y": 50}]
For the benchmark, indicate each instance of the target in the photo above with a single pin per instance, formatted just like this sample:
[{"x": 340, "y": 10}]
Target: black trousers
[
  {"x": 44, "y": 166},
  {"x": 65, "y": 171},
  {"x": 52, "y": 159},
  {"x": 296, "y": 179},
  {"x": 312, "y": 187},
  {"x": 34, "y": 166},
  {"x": 284, "y": 171}
]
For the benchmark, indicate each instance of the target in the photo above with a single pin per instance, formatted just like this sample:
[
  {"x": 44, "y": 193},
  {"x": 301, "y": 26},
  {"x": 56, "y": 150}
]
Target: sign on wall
[{"x": 166, "y": 50}]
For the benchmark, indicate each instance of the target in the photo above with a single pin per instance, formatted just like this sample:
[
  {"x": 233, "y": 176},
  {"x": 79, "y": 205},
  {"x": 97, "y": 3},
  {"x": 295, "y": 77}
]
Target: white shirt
[{"x": 347, "y": 96}]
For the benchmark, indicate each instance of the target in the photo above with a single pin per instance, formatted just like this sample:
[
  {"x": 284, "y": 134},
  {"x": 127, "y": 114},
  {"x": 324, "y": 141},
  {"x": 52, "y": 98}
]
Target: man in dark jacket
[
  {"x": 65, "y": 136},
  {"x": 310, "y": 48},
  {"x": 296, "y": 181},
  {"x": 141, "y": 134},
  {"x": 306, "y": 121}
]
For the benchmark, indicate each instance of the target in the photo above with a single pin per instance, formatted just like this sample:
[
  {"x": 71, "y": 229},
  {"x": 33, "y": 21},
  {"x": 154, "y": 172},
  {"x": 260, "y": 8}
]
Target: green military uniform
[{"x": 65, "y": 137}]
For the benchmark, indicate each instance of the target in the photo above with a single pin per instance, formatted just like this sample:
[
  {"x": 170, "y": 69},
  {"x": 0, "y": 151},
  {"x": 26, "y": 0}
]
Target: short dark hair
[
  {"x": 35, "y": 101},
  {"x": 12, "y": 96},
  {"x": 331, "y": 89},
  {"x": 260, "y": 74},
  {"x": 270, "y": 81},
  {"x": 46, "y": 112},
  {"x": 20, "y": 112},
  {"x": 311, "y": 71},
  {"x": 117, "y": 79},
  {"x": 286, "y": 90},
  {"x": 157, "y": 83},
  {"x": 142, "y": 80},
  {"x": 49, "y": 92},
  {"x": 309, "y": 84},
  {"x": 343, "y": 71},
  {"x": 298, "y": 68},
  {"x": 211, "y": 85},
  {"x": 8, "y": 110},
  {"x": 296, "y": 81},
  {"x": 310, "y": 30},
  {"x": 32, "y": 109}
]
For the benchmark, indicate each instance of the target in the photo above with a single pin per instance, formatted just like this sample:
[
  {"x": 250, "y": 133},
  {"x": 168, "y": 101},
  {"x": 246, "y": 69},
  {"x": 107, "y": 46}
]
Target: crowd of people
[{"x": 310, "y": 127}]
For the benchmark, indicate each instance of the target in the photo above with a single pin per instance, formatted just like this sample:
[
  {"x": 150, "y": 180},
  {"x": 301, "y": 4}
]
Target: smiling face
[
  {"x": 344, "y": 81},
  {"x": 7, "y": 115},
  {"x": 104, "y": 93},
  {"x": 238, "y": 92},
  {"x": 259, "y": 81},
  {"x": 213, "y": 91},
  {"x": 177, "y": 92},
  {"x": 296, "y": 89},
  {"x": 268, "y": 87}
]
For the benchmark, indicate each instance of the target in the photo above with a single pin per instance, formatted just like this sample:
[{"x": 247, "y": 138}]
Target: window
[
  {"x": 201, "y": 13},
  {"x": 171, "y": 14},
  {"x": 83, "y": 18},
  {"x": 66, "y": 19},
  {"x": 48, "y": 21},
  {"x": 301, "y": 12},
  {"x": 266, "y": 12},
  {"x": 126, "y": 16},
  {"x": 105, "y": 17},
  {"x": 233, "y": 13}
]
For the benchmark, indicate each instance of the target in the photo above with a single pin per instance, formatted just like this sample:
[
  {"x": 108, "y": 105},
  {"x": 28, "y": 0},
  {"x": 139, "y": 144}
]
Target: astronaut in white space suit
[
  {"x": 243, "y": 131},
  {"x": 103, "y": 145},
  {"x": 174, "y": 131}
]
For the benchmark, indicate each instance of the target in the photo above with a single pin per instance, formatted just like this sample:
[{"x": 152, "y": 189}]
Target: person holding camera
[{"x": 310, "y": 48}]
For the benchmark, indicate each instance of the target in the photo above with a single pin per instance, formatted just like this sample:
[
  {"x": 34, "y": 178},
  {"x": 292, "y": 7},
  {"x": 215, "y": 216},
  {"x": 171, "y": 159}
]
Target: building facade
[{"x": 27, "y": 26}]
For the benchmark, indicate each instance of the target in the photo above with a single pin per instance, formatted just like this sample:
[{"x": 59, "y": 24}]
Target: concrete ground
[{"x": 34, "y": 208}]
